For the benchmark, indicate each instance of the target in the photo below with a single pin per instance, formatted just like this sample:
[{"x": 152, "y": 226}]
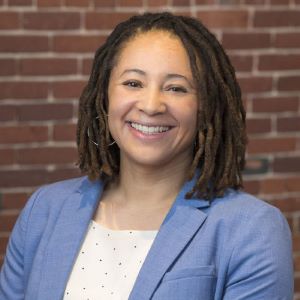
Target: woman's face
[{"x": 152, "y": 101}]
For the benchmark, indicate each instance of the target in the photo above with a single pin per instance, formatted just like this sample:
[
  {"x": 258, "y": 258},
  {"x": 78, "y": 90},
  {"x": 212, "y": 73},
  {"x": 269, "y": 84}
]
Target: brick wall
[{"x": 46, "y": 47}]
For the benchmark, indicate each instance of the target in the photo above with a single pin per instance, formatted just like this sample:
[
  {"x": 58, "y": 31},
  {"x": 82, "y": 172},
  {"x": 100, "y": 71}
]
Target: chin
[{"x": 156, "y": 159}]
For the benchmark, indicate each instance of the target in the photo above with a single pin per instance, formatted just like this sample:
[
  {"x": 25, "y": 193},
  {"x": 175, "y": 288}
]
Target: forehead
[{"x": 155, "y": 48}]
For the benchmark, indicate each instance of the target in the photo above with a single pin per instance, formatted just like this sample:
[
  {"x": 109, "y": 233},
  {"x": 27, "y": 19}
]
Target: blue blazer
[{"x": 235, "y": 248}]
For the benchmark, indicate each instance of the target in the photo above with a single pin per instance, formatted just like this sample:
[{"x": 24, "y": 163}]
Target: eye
[
  {"x": 133, "y": 84},
  {"x": 177, "y": 89}
]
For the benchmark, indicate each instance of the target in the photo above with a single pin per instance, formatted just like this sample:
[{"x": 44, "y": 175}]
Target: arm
[
  {"x": 261, "y": 266},
  {"x": 12, "y": 272}
]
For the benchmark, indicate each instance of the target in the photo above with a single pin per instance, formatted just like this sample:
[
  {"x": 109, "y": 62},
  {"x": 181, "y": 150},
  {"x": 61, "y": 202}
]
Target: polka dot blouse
[{"x": 108, "y": 263}]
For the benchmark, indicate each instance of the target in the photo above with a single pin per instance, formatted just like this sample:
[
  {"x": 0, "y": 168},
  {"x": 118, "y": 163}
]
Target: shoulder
[
  {"x": 243, "y": 207},
  {"x": 245, "y": 220},
  {"x": 62, "y": 187},
  {"x": 257, "y": 239},
  {"x": 51, "y": 197},
  {"x": 49, "y": 202}
]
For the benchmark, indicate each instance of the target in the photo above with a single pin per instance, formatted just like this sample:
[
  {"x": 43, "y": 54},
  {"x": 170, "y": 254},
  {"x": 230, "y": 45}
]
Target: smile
[{"x": 149, "y": 129}]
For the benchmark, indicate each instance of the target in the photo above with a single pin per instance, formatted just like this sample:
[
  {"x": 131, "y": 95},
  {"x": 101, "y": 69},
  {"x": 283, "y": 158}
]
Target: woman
[{"x": 161, "y": 135}]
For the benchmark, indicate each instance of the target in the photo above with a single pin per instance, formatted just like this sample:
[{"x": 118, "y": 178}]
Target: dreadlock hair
[{"x": 221, "y": 140}]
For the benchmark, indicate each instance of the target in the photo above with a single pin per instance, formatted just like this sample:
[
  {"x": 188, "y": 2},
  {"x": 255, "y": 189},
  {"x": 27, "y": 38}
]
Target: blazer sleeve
[
  {"x": 12, "y": 275},
  {"x": 261, "y": 265}
]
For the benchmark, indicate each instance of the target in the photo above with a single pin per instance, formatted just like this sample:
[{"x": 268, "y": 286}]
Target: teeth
[{"x": 149, "y": 129}]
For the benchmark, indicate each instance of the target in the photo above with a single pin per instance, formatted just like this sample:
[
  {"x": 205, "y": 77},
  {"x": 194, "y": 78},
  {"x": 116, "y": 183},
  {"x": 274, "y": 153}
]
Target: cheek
[
  {"x": 118, "y": 106},
  {"x": 188, "y": 114},
  {"x": 117, "y": 101}
]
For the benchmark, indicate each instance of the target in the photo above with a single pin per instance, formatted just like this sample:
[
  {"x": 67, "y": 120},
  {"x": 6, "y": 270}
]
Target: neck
[{"x": 150, "y": 187}]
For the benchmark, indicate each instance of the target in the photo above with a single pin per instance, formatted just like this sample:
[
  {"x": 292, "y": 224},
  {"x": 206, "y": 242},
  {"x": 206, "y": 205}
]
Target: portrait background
[{"x": 46, "y": 50}]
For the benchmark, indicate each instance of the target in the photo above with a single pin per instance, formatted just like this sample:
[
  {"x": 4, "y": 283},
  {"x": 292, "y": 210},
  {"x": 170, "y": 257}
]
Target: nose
[{"x": 152, "y": 101}]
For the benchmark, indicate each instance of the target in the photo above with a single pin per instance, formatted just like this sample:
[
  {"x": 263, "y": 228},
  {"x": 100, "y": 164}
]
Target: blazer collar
[
  {"x": 179, "y": 226},
  {"x": 66, "y": 238}
]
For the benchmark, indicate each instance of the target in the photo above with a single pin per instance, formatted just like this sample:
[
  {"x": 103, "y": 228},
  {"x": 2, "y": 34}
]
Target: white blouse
[{"x": 108, "y": 263}]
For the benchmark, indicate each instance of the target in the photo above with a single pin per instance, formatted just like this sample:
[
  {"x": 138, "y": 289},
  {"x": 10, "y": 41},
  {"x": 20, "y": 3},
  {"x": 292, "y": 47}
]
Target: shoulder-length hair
[{"x": 219, "y": 151}]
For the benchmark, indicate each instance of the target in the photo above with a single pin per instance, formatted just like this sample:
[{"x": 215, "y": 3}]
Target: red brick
[
  {"x": 23, "y": 178},
  {"x": 23, "y": 90},
  {"x": 78, "y": 3},
  {"x": 9, "y": 20},
  {"x": 269, "y": 18},
  {"x": 272, "y": 62},
  {"x": 104, "y": 3},
  {"x": 297, "y": 285},
  {"x": 288, "y": 124},
  {"x": 251, "y": 186},
  {"x": 8, "y": 113},
  {"x": 271, "y": 145},
  {"x": 7, "y": 221},
  {"x": 255, "y": 84},
  {"x": 181, "y": 2},
  {"x": 7, "y": 67},
  {"x": 68, "y": 89},
  {"x": 286, "y": 164},
  {"x": 255, "y": 2},
  {"x": 47, "y": 155},
  {"x": 19, "y": 2},
  {"x": 48, "y": 66},
  {"x": 203, "y": 2},
  {"x": 296, "y": 266},
  {"x": 77, "y": 43},
  {"x": 62, "y": 174},
  {"x": 23, "y": 134},
  {"x": 287, "y": 205},
  {"x": 289, "y": 83},
  {"x": 45, "y": 112},
  {"x": 296, "y": 243},
  {"x": 224, "y": 19},
  {"x": 280, "y": 2},
  {"x": 132, "y": 2},
  {"x": 246, "y": 40},
  {"x": 49, "y": 3},
  {"x": 15, "y": 43},
  {"x": 13, "y": 200},
  {"x": 292, "y": 184},
  {"x": 275, "y": 104},
  {"x": 3, "y": 243},
  {"x": 87, "y": 66},
  {"x": 7, "y": 156},
  {"x": 51, "y": 20},
  {"x": 287, "y": 40},
  {"x": 105, "y": 20},
  {"x": 157, "y": 2},
  {"x": 280, "y": 185},
  {"x": 242, "y": 63},
  {"x": 64, "y": 132},
  {"x": 255, "y": 126},
  {"x": 256, "y": 166}
]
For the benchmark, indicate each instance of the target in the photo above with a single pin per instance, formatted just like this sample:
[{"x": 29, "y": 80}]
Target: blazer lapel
[
  {"x": 180, "y": 225},
  {"x": 66, "y": 239}
]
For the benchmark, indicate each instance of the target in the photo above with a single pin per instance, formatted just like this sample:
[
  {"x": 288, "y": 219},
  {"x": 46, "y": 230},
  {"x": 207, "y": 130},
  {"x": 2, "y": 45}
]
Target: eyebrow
[
  {"x": 134, "y": 70},
  {"x": 169, "y": 76}
]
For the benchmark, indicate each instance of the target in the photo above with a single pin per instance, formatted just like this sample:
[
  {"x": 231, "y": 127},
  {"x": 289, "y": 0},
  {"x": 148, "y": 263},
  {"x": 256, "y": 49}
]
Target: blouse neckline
[{"x": 121, "y": 231}]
